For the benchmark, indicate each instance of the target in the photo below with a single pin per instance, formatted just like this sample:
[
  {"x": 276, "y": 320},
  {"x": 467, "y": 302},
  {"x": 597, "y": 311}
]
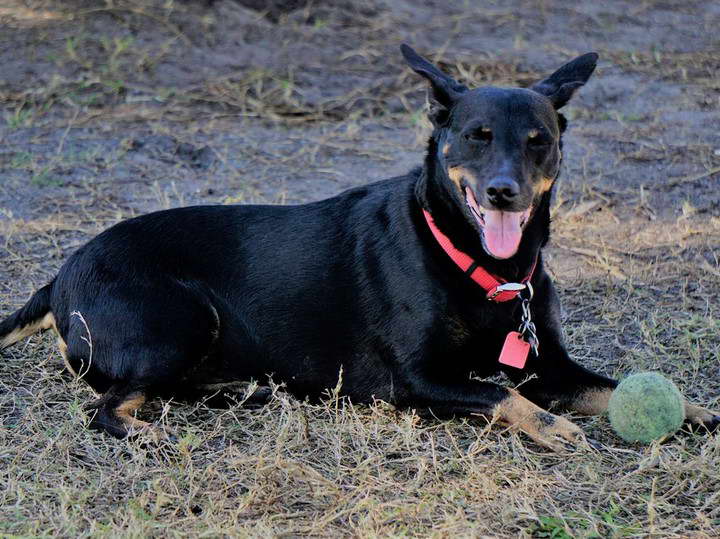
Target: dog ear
[
  {"x": 444, "y": 89},
  {"x": 561, "y": 85},
  {"x": 562, "y": 122}
]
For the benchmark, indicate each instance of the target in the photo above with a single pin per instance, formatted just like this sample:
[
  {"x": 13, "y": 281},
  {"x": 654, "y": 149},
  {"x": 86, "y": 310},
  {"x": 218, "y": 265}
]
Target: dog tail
[{"x": 31, "y": 318}]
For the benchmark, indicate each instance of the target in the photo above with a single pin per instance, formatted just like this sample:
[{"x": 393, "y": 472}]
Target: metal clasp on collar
[{"x": 507, "y": 287}]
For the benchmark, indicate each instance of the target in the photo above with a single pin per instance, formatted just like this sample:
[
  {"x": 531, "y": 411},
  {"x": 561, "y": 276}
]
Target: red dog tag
[{"x": 515, "y": 350}]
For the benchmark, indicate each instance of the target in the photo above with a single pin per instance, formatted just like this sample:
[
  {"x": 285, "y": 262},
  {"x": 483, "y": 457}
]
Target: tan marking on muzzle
[
  {"x": 544, "y": 185},
  {"x": 456, "y": 174}
]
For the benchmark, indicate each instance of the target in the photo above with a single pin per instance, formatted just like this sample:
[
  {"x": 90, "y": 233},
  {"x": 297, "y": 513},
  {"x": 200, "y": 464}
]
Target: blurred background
[{"x": 289, "y": 100}]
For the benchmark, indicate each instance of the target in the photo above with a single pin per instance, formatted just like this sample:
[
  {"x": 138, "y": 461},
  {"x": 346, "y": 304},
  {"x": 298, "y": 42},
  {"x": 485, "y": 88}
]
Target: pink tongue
[{"x": 502, "y": 232}]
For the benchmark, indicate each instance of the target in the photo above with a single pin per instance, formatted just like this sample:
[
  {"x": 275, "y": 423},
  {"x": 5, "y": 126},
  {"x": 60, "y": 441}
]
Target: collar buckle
[{"x": 505, "y": 287}]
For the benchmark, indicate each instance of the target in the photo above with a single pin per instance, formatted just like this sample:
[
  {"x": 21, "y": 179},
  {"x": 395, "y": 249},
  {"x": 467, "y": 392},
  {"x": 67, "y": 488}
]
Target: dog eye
[
  {"x": 537, "y": 139},
  {"x": 480, "y": 134}
]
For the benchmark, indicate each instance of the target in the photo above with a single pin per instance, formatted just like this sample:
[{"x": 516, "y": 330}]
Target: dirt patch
[{"x": 109, "y": 110}]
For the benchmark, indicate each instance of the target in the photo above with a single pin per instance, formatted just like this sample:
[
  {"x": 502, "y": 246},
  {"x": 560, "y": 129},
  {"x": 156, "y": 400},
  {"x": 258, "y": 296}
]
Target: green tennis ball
[{"x": 646, "y": 407}]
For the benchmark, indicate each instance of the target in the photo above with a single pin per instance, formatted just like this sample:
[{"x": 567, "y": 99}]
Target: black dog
[{"x": 409, "y": 288}]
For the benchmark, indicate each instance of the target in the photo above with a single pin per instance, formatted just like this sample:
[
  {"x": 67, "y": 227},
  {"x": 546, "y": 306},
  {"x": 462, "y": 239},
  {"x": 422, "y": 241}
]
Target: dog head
[{"x": 498, "y": 149}]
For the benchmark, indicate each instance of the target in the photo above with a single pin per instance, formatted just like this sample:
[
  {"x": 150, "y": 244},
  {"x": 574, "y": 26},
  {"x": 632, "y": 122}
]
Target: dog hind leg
[{"x": 116, "y": 412}]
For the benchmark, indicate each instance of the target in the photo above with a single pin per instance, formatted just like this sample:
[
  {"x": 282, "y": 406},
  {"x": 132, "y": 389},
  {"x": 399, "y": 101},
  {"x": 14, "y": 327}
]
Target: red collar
[{"x": 497, "y": 288}]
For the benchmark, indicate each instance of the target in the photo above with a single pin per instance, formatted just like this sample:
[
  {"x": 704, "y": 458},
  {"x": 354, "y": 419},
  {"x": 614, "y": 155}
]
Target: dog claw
[{"x": 561, "y": 442}]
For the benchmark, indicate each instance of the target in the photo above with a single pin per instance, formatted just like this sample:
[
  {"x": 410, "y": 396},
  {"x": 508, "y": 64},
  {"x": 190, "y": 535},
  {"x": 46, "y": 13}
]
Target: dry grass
[
  {"x": 103, "y": 131},
  {"x": 293, "y": 468}
]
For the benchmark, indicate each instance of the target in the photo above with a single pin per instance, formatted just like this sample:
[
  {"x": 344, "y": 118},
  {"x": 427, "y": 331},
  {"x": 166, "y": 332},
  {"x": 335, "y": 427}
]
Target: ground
[{"x": 114, "y": 108}]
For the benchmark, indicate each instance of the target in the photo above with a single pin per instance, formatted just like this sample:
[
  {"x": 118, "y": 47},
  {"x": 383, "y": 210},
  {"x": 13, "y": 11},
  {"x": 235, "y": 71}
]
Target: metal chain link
[{"x": 527, "y": 326}]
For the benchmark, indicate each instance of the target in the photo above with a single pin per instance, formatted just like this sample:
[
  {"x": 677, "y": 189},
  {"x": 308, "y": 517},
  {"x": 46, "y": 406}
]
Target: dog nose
[{"x": 502, "y": 190}]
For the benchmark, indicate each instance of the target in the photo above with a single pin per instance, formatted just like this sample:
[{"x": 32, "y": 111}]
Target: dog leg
[
  {"x": 494, "y": 401},
  {"x": 595, "y": 402},
  {"x": 553, "y": 379},
  {"x": 116, "y": 414},
  {"x": 592, "y": 401},
  {"x": 560, "y": 381},
  {"x": 546, "y": 429}
]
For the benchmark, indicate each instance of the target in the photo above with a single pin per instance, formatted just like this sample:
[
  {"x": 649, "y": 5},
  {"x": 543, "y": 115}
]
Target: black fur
[{"x": 354, "y": 286}]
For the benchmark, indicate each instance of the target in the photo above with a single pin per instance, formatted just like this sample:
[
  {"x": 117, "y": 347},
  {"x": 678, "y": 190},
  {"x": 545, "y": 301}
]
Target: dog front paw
[
  {"x": 548, "y": 430},
  {"x": 554, "y": 432}
]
